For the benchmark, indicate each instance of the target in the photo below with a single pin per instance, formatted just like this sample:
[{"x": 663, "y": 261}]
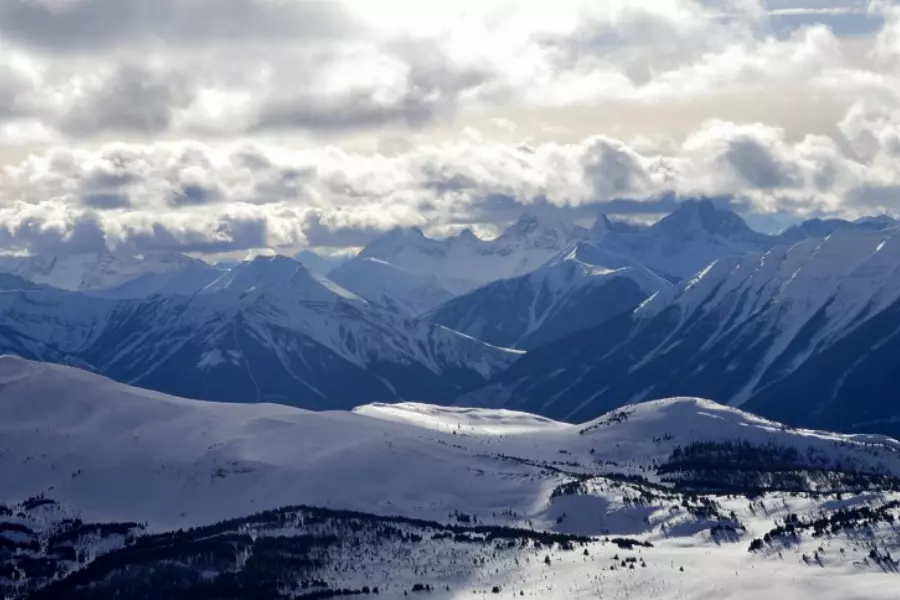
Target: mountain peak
[
  {"x": 530, "y": 226},
  {"x": 601, "y": 226},
  {"x": 395, "y": 240},
  {"x": 256, "y": 272},
  {"x": 703, "y": 217},
  {"x": 467, "y": 235},
  {"x": 525, "y": 224}
]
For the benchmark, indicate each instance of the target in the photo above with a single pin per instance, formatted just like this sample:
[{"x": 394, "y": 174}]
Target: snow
[
  {"x": 408, "y": 292},
  {"x": 464, "y": 262},
  {"x": 185, "y": 281},
  {"x": 552, "y": 301},
  {"x": 848, "y": 275},
  {"x": 264, "y": 271},
  {"x": 266, "y": 293},
  {"x": 115, "y": 452},
  {"x": 696, "y": 234},
  {"x": 94, "y": 271}
]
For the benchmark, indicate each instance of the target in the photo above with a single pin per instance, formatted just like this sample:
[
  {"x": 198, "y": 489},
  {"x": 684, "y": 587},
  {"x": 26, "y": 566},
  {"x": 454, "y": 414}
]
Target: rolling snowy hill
[
  {"x": 804, "y": 333},
  {"x": 579, "y": 289},
  {"x": 268, "y": 330},
  {"x": 679, "y": 498}
]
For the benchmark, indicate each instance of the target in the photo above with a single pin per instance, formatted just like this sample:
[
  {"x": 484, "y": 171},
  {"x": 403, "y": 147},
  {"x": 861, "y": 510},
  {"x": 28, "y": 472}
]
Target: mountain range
[
  {"x": 268, "y": 330},
  {"x": 552, "y": 318},
  {"x": 803, "y": 333},
  {"x": 584, "y": 286},
  {"x": 460, "y": 417}
]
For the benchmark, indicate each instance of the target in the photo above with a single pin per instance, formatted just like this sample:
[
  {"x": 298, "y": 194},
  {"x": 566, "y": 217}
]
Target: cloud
[
  {"x": 228, "y": 197},
  {"x": 90, "y": 69},
  {"x": 104, "y": 25},
  {"x": 369, "y": 115}
]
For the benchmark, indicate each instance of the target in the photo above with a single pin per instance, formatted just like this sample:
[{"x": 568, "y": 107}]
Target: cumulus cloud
[
  {"x": 228, "y": 197},
  {"x": 311, "y": 79},
  {"x": 86, "y": 68},
  {"x": 104, "y": 25}
]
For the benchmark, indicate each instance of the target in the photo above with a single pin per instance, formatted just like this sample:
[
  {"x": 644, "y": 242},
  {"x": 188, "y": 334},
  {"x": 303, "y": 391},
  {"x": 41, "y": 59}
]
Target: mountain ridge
[
  {"x": 756, "y": 318},
  {"x": 268, "y": 330}
]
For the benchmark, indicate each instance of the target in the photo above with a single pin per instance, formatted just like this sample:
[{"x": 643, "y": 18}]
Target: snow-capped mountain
[
  {"x": 185, "y": 281},
  {"x": 268, "y": 330},
  {"x": 581, "y": 288},
  {"x": 805, "y": 333},
  {"x": 319, "y": 264},
  {"x": 678, "y": 498},
  {"x": 94, "y": 271},
  {"x": 682, "y": 243},
  {"x": 465, "y": 262},
  {"x": 400, "y": 290},
  {"x": 821, "y": 228}
]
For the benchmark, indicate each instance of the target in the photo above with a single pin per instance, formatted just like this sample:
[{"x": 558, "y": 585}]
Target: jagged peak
[
  {"x": 396, "y": 238},
  {"x": 602, "y": 225},
  {"x": 467, "y": 235},
  {"x": 256, "y": 272},
  {"x": 529, "y": 225},
  {"x": 695, "y": 216}
]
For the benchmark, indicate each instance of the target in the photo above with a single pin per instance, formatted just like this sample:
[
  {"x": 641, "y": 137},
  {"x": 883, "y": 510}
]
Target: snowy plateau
[{"x": 112, "y": 491}]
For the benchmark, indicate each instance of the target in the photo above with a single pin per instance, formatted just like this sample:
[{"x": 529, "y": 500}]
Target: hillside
[
  {"x": 802, "y": 333},
  {"x": 267, "y": 330},
  {"x": 672, "y": 494}
]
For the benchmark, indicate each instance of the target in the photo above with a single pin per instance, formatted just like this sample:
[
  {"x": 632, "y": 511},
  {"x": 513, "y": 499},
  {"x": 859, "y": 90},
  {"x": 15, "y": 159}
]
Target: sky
[{"x": 227, "y": 127}]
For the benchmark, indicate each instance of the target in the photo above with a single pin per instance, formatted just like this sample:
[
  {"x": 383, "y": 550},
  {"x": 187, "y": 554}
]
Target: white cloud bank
[{"x": 226, "y": 77}]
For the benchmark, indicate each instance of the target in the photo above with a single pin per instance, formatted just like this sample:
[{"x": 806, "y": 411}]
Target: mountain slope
[
  {"x": 673, "y": 494},
  {"x": 684, "y": 242},
  {"x": 465, "y": 262},
  {"x": 581, "y": 288},
  {"x": 331, "y": 458},
  {"x": 319, "y": 264},
  {"x": 93, "y": 271},
  {"x": 400, "y": 290},
  {"x": 740, "y": 332},
  {"x": 185, "y": 281},
  {"x": 268, "y": 330}
]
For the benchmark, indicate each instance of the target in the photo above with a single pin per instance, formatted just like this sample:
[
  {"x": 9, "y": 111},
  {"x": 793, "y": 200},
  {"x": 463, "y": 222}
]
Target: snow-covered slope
[
  {"x": 674, "y": 492},
  {"x": 581, "y": 288},
  {"x": 822, "y": 228},
  {"x": 185, "y": 281},
  {"x": 423, "y": 458},
  {"x": 320, "y": 264},
  {"x": 400, "y": 290},
  {"x": 94, "y": 271},
  {"x": 742, "y": 330},
  {"x": 465, "y": 262},
  {"x": 268, "y": 330}
]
